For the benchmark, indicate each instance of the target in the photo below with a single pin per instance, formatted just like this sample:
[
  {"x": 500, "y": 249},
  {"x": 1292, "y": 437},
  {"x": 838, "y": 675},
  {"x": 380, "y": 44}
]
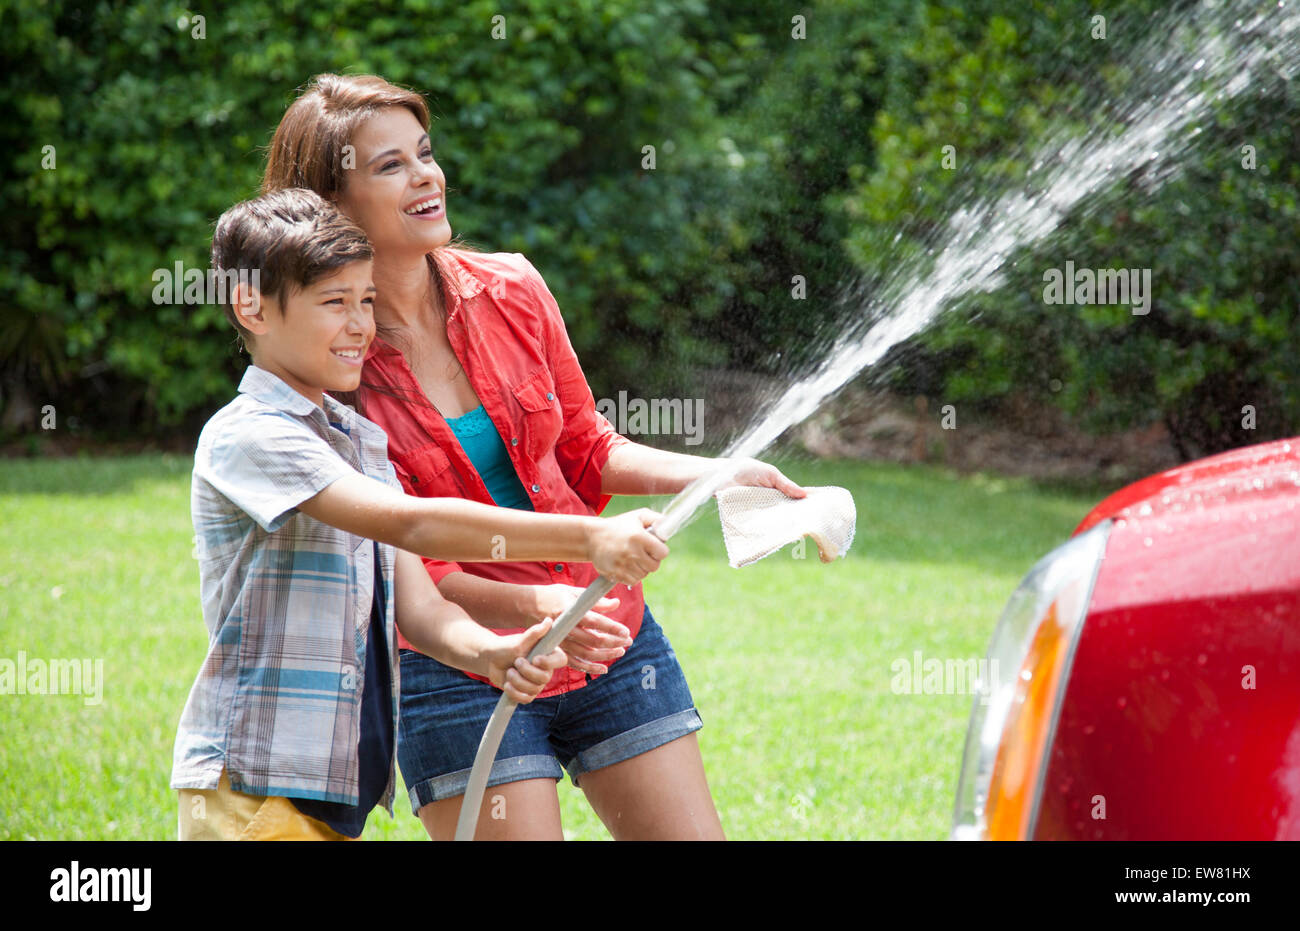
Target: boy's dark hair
[{"x": 286, "y": 239}]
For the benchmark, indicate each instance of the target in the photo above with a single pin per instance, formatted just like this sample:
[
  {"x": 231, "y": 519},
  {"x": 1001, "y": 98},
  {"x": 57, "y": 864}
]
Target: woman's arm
[
  {"x": 596, "y": 641},
  {"x": 634, "y": 469},
  {"x": 440, "y": 629}
]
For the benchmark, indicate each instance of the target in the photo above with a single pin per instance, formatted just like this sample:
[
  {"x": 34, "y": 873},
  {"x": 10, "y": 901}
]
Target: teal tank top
[{"x": 487, "y": 453}]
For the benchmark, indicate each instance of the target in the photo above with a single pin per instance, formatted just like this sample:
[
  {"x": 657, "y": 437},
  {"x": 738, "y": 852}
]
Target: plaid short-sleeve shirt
[{"x": 286, "y": 599}]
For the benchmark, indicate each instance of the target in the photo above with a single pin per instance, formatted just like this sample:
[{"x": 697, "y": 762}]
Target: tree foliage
[
  {"x": 1221, "y": 335},
  {"x": 782, "y": 152}
]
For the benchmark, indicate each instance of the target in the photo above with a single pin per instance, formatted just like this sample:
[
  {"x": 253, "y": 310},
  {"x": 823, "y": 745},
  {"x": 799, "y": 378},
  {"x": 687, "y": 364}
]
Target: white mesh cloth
[{"x": 756, "y": 522}]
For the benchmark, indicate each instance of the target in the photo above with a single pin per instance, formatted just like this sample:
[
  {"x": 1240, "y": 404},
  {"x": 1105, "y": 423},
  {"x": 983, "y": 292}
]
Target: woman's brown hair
[{"x": 309, "y": 146}]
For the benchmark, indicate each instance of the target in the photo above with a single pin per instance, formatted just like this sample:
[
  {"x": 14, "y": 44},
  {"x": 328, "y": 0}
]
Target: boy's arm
[
  {"x": 621, "y": 548},
  {"x": 440, "y": 629}
]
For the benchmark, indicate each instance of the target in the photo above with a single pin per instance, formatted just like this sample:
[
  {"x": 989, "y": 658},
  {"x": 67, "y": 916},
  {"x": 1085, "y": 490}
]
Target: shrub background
[{"x": 774, "y": 156}]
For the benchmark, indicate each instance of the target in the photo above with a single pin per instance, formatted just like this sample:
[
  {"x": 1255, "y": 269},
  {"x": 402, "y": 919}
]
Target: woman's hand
[
  {"x": 623, "y": 549},
  {"x": 510, "y": 670},
  {"x": 757, "y": 474},
  {"x": 597, "y": 640}
]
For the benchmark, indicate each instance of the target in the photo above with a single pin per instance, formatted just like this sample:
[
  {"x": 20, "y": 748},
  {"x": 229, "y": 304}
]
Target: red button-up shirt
[{"x": 507, "y": 332}]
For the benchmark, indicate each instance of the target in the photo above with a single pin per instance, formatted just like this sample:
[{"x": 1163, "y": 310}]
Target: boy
[{"x": 289, "y": 730}]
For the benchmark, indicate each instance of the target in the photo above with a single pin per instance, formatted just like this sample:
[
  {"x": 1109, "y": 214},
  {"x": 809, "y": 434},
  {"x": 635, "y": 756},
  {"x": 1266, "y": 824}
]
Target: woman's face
[{"x": 395, "y": 191}]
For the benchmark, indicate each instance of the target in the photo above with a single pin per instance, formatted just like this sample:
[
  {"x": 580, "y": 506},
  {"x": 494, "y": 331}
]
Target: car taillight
[{"x": 1015, "y": 714}]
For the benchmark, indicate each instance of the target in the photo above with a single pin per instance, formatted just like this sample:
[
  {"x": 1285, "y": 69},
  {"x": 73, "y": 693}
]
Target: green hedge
[
  {"x": 540, "y": 133},
  {"x": 776, "y": 157}
]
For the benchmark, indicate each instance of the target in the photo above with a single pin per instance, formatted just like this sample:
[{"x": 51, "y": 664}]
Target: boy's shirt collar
[{"x": 272, "y": 390}]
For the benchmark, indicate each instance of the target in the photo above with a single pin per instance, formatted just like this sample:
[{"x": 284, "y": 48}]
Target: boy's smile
[{"x": 317, "y": 342}]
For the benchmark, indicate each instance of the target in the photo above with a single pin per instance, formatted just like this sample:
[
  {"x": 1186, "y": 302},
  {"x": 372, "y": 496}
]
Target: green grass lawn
[{"x": 789, "y": 660}]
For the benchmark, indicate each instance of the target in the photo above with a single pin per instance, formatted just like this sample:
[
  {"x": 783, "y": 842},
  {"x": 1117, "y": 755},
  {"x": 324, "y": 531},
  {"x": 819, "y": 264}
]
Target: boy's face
[{"x": 318, "y": 341}]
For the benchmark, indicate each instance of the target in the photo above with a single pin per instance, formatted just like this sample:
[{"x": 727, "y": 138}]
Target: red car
[{"x": 1145, "y": 678}]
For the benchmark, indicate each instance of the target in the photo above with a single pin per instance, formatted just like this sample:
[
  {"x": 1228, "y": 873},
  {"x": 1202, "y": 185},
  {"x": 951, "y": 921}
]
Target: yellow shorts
[{"x": 224, "y": 814}]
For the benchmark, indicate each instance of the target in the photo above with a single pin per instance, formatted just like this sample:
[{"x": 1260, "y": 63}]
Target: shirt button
[
  {"x": 514, "y": 441},
  {"x": 559, "y": 567},
  {"x": 550, "y": 396},
  {"x": 536, "y": 489}
]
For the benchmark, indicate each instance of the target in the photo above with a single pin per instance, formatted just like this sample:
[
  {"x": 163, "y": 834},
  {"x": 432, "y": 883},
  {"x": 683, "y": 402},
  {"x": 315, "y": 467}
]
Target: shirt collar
[
  {"x": 272, "y": 390},
  {"x": 459, "y": 283},
  {"x": 378, "y": 347}
]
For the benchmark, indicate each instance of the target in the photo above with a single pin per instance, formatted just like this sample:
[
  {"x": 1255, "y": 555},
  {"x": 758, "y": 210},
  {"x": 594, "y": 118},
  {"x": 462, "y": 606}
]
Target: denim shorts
[{"x": 640, "y": 704}]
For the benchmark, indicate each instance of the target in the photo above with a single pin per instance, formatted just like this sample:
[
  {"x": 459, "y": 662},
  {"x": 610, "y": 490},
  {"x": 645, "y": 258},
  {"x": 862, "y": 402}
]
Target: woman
[{"x": 475, "y": 381}]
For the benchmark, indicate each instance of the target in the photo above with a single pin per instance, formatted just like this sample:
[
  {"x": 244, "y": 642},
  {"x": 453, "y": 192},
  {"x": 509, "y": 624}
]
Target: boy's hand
[
  {"x": 510, "y": 670},
  {"x": 597, "y": 640},
  {"x": 623, "y": 549}
]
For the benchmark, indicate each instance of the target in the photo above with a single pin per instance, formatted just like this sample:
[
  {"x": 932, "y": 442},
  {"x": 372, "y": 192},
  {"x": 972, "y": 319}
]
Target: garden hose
[{"x": 674, "y": 517}]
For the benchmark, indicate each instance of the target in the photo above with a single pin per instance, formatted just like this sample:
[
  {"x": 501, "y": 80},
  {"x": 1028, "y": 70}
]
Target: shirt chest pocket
[
  {"x": 541, "y": 418},
  {"x": 424, "y": 471}
]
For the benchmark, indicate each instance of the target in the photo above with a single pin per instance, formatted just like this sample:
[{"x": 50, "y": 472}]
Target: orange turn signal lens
[{"x": 1021, "y": 756}]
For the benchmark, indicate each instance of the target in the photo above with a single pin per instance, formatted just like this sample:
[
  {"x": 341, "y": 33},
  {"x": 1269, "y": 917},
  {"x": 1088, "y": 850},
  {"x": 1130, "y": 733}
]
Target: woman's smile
[{"x": 427, "y": 208}]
